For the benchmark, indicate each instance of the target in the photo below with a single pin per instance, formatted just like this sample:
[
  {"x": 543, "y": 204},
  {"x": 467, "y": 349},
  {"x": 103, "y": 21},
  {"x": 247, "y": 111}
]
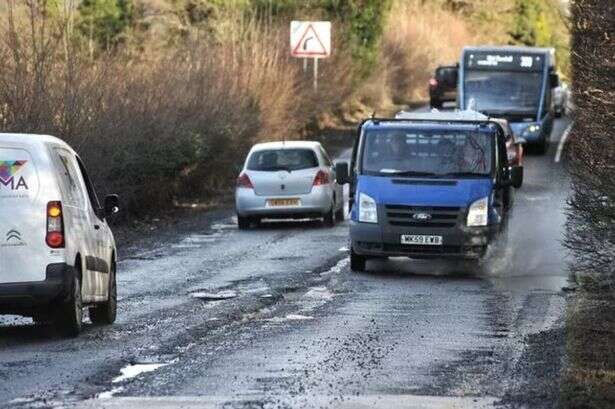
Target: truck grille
[{"x": 401, "y": 215}]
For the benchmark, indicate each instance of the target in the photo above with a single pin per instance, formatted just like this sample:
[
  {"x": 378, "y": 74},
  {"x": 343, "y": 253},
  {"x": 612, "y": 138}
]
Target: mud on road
[{"x": 210, "y": 316}]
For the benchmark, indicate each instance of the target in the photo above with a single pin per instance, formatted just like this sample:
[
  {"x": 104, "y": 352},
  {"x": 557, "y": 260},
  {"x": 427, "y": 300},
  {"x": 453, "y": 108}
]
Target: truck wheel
[
  {"x": 243, "y": 223},
  {"x": 329, "y": 218},
  {"x": 106, "y": 312},
  {"x": 543, "y": 148},
  {"x": 357, "y": 262},
  {"x": 69, "y": 316}
]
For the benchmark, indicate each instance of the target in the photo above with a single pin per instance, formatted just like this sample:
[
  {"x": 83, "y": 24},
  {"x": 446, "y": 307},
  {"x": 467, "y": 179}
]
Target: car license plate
[
  {"x": 282, "y": 202},
  {"x": 422, "y": 240}
]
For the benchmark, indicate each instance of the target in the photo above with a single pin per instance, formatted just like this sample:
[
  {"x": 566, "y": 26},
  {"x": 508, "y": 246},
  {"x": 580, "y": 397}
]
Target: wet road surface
[{"x": 273, "y": 317}]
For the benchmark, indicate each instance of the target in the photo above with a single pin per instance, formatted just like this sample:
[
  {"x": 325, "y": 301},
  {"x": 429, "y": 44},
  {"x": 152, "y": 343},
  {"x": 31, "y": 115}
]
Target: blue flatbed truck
[
  {"x": 432, "y": 185},
  {"x": 513, "y": 83}
]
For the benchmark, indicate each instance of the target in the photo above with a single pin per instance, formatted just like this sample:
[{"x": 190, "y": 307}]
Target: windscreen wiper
[
  {"x": 462, "y": 174},
  {"x": 409, "y": 173}
]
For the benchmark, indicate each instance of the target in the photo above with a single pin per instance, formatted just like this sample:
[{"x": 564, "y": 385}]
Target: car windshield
[
  {"x": 282, "y": 159},
  {"x": 428, "y": 153},
  {"x": 503, "y": 92}
]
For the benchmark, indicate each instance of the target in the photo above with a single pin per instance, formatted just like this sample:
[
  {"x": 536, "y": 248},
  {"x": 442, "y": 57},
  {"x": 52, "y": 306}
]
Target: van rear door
[{"x": 23, "y": 217}]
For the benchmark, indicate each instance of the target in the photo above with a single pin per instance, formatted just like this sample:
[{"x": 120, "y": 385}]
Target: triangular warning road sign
[{"x": 310, "y": 45}]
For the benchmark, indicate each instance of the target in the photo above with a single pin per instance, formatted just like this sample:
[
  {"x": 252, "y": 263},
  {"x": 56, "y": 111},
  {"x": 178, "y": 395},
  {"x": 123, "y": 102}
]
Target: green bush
[{"x": 104, "y": 21}]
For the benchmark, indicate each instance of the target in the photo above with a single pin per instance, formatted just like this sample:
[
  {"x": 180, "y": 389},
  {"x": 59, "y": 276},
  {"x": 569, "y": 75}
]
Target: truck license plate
[{"x": 422, "y": 240}]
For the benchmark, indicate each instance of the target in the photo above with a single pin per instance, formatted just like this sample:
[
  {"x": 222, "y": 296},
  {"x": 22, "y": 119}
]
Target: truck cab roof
[{"x": 461, "y": 120}]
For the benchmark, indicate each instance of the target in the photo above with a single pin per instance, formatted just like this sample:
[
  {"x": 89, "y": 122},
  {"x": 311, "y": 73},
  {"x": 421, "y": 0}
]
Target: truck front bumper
[{"x": 373, "y": 240}]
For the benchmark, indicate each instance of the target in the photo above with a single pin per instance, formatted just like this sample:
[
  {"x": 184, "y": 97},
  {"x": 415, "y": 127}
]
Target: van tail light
[
  {"x": 244, "y": 181},
  {"x": 321, "y": 179},
  {"x": 55, "y": 225},
  {"x": 433, "y": 82}
]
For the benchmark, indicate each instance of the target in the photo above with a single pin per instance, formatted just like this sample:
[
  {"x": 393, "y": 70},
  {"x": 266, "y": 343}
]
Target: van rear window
[
  {"x": 18, "y": 176},
  {"x": 282, "y": 159}
]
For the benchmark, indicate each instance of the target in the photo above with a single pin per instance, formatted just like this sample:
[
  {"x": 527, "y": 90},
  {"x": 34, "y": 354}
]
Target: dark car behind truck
[
  {"x": 428, "y": 186},
  {"x": 443, "y": 86}
]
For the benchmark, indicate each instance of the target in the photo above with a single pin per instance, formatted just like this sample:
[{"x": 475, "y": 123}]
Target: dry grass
[
  {"x": 589, "y": 380},
  {"x": 165, "y": 122},
  {"x": 418, "y": 38}
]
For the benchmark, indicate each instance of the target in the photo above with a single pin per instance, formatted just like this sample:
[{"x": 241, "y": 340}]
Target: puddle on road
[
  {"x": 290, "y": 317},
  {"x": 214, "y": 296},
  {"x": 110, "y": 393},
  {"x": 134, "y": 370},
  {"x": 128, "y": 372}
]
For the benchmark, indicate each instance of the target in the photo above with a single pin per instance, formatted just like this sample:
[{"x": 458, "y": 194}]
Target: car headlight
[
  {"x": 368, "y": 211},
  {"x": 531, "y": 129},
  {"x": 478, "y": 214}
]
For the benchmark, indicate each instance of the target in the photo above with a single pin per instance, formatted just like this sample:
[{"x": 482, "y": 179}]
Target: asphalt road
[{"x": 296, "y": 328}]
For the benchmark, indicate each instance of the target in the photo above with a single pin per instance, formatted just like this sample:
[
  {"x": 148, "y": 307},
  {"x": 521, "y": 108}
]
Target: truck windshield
[
  {"x": 503, "y": 92},
  {"x": 427, "y": 153}
]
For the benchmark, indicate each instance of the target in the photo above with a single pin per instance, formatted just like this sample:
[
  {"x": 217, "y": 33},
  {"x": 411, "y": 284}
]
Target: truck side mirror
[
  {"x": 342, "y": 173},
  {"x": 554, "y": 80},
  {"x": 516, "y": 176}
]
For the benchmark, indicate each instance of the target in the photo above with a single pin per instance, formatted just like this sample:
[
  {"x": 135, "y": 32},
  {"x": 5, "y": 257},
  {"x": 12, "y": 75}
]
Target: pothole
[{"x": 214, "y": 296}]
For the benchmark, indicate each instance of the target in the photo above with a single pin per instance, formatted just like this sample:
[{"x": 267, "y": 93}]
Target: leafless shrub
[
  {"x": 591, "y": 222},
  {"x": 164, "y": 122},
  {"x": 418, "y": 38}
]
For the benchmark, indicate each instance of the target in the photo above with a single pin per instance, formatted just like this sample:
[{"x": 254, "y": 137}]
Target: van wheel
[
  {"x": 105, "y": 313},
  {"x": 357, "y": 262},
  {"x": 329, "y": 218},
  {"x": 243, "y": 223},
  {"x": 69, "y": 316}
]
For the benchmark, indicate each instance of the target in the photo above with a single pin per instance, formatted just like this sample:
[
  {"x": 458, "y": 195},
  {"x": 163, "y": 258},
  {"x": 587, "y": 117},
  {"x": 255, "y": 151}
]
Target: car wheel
[
  {"x": 329, "y": 218},
  {"x": 339, "y": 215},
  {"x": 357, "y": 262},
  {"x": 42, "y": 319},
  {"x": 69, "y": 317},
  {"x": 106, "y": 313},
  {"x": 243, "y": 223}
]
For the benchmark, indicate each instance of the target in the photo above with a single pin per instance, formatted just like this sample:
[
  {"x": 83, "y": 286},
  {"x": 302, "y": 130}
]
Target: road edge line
[{"x": 562, "y": 142}]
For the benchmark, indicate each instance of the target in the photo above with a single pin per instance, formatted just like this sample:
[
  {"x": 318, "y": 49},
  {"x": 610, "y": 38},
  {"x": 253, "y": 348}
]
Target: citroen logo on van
[
  {"x": 13, "y": 235},
  {"x": 421, "y": 217},
  {"x": 13, "y": 239}
]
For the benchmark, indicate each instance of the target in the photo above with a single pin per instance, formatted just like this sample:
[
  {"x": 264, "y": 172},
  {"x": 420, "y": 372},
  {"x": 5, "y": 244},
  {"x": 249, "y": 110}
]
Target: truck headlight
[
  {"x": 368, "y": 211},
  {"x": 478, "y": 214}
]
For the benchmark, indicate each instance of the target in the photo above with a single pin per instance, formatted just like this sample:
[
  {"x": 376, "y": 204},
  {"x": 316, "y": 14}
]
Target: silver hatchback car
[{"x": 288, "y": 180}]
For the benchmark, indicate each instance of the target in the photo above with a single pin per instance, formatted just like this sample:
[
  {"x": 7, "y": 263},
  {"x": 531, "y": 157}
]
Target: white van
[{"x": 57, "y": 253}]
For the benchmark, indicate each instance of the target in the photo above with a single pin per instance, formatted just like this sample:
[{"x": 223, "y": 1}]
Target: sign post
[{"x": 310, "y": 39}]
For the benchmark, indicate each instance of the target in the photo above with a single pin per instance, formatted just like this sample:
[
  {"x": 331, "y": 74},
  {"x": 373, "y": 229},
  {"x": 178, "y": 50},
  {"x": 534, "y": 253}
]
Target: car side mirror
[
  {"x": 516, "y": 176},
  {"x": 342, "y": 173},
  {"x": 554, "y": 80},
  {"x": 112, "y": 205}
]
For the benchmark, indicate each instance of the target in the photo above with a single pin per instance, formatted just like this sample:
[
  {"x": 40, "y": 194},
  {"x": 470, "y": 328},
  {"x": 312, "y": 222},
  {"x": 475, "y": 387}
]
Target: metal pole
[
  {"x": 315, "y": 74},
  {"x": 305, "y": 64}
]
